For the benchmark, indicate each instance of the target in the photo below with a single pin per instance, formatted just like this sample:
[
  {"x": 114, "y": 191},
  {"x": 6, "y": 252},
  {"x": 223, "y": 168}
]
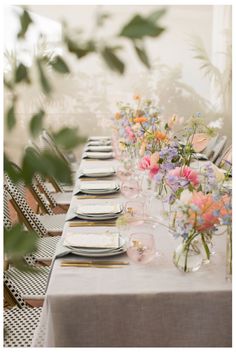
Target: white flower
[
  {"x": 217, "y": 124},
  {"x": 186, "y": 196},
  {"x": 219, "y": 174}
]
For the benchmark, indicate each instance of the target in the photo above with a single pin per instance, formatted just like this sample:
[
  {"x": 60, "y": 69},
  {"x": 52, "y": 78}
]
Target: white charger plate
[{"x": 101, "y": 253}]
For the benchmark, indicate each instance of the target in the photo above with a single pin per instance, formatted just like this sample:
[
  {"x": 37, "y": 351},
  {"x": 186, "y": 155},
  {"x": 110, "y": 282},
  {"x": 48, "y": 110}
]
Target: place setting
[
  {"x": 96, "y": 212},
  {"x": 98, "y": 148},
  {"x": 98, "y": 155},
  {"x": 96, "y": 172},
  {"x": 95, "y": 245},
  {"x": 96, "y": 189}
]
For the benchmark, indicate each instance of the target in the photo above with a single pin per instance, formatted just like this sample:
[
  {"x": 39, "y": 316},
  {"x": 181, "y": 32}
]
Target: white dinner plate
[{"x": 100, "y": 253}]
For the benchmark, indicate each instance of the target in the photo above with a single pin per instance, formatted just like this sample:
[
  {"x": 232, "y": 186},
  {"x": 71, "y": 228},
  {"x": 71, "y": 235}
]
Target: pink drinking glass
[
  {"x": 130, "y": 187},
  {"x": 141, "y": 248},
  {"x": 134, "y": 208}
]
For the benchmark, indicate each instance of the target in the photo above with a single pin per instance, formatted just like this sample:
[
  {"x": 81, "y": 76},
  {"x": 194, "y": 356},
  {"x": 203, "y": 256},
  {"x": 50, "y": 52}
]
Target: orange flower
[
  {"x": 140, "y": 120},
  {"x": 159, "y": 135},
  {"x": 136, "y": 97},
  {"x": 117, "y": 115}
]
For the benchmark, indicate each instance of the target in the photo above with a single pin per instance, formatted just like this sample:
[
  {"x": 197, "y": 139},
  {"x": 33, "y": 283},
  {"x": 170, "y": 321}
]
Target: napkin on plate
[
  {"x": 98, "y": 155},
  {"x": 98, "y": 187},
  {"x": 97, "y": 171},
  {"x": 99, "y": 148},
  {"x": 99, "y": 138},
  {"x": 99, "y": 142},
  {"x": 92, "y": 240},
  {"x": 96, "y": 209}
]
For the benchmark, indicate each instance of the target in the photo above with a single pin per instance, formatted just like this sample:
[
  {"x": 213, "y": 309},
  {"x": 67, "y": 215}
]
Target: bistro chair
[
  {"x": 46, "y": 246},
  {"x": 225, "y": 160},
  {"x": 48, "y": 224},
  {"x": 21, "y": 321}
]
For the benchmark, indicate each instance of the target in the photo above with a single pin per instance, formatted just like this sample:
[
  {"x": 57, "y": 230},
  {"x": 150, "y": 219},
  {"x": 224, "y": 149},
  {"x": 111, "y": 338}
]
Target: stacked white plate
[
  {"x": 98, "y": 155},
  {"x": 97, "y": 172},
  {"x": 98, "y": 212},
  {"x": 98, "y": 187},
  {"x": 99, "y": 138},
  {"x": 99, "y": 142},
  {"x": 95, "y": 245},
  {"x": 99, "y": 148}
]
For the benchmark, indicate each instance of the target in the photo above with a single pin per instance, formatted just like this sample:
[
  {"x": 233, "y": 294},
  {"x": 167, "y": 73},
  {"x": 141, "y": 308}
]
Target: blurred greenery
[
  {"x": 36, "y": 123},
  {"x": 11, "y": 118},
  {"x": 112, "y": 60},
  {"x": 21, "y": 74},
  {"x": 17, "y": 242},
  {"x": 59, "y": 65},
  {"x": 25, "y": 21},
  {"x": 140, "y": 27}
]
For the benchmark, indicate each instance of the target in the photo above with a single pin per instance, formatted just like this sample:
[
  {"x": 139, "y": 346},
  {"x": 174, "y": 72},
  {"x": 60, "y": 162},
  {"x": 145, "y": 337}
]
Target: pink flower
[
  {"x": 153, "y": 170},
  {"x": 145, "y": 163},
  {"x": 207, "y": 208},
  {"x": 130, "y": 133},
  {"x": 186, "y": 173}
]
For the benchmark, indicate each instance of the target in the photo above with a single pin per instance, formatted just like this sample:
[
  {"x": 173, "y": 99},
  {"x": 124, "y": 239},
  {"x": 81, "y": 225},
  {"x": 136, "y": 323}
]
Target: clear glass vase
[
  {"x": 229, "y": 253},
  {"x": 187, "y": 256}
]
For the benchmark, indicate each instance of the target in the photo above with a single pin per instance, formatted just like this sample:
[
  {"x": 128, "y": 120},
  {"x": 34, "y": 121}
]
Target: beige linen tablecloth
[{"x": 138, "y": 306}]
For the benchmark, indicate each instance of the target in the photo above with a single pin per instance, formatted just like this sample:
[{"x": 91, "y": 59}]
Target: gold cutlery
[
  {"x": 92, "y": 224},
  {"x": 85, "y": 265},
  {"x": 96, "y": 262},
  {"x": 93, "y": 196}
]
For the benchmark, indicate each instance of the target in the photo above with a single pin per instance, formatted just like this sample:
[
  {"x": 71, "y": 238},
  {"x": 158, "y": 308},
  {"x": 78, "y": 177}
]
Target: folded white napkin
[
  {"x": 92, "y": 240},
  {"x": 94, "y": 138},
  {"x": 99, "y": 142},
  {"x": 98, "y": 186},
  {"x": 99, "y": 155},
  {"x": 98, "y": 170},
  {"x": 103, "y": 148},
  {"x": 90, "y": 209}
]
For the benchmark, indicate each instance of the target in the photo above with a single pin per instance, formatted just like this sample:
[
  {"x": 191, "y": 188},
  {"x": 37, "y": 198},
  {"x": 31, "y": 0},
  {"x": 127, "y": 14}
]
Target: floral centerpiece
[{"x": 197, "y": 217}]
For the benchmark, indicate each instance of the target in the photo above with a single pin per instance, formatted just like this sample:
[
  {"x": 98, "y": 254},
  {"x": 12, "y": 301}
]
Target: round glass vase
[{"x": 187, "y": 256}]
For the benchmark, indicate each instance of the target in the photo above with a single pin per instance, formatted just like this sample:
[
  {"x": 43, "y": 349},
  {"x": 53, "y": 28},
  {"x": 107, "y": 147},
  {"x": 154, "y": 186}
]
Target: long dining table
[{"x": 134, "y": 305}]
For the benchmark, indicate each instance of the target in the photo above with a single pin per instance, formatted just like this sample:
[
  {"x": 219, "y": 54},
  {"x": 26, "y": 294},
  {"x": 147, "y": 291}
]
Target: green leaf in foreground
[
  {"x": 36, "y": 123},
  {"x": 59, "y": 65},
  {"x": 43, "y": 79},
  {"x": 11, "y": 118},
  {"x": 67, "y": 138},
  {"x": 140, "y": 50},
  {"x": 21, "y": 74},
  {"x": 139, "y": 27},
  {"x": 79, "y": 51},
  {"x": 25, "y": 21},
  {"x": 11, "y": 170},
  {"x": 156, "y": 15},
  {"x": 46, "y": 164},
  {"x": 17, "y": 244},
  {"x": 112, "y": 60},
  {"x": 57, "y": 168}
]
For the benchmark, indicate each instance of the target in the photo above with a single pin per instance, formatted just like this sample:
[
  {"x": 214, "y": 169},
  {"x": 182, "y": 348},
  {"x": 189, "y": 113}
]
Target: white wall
[{"x": 89, "y": 98}]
